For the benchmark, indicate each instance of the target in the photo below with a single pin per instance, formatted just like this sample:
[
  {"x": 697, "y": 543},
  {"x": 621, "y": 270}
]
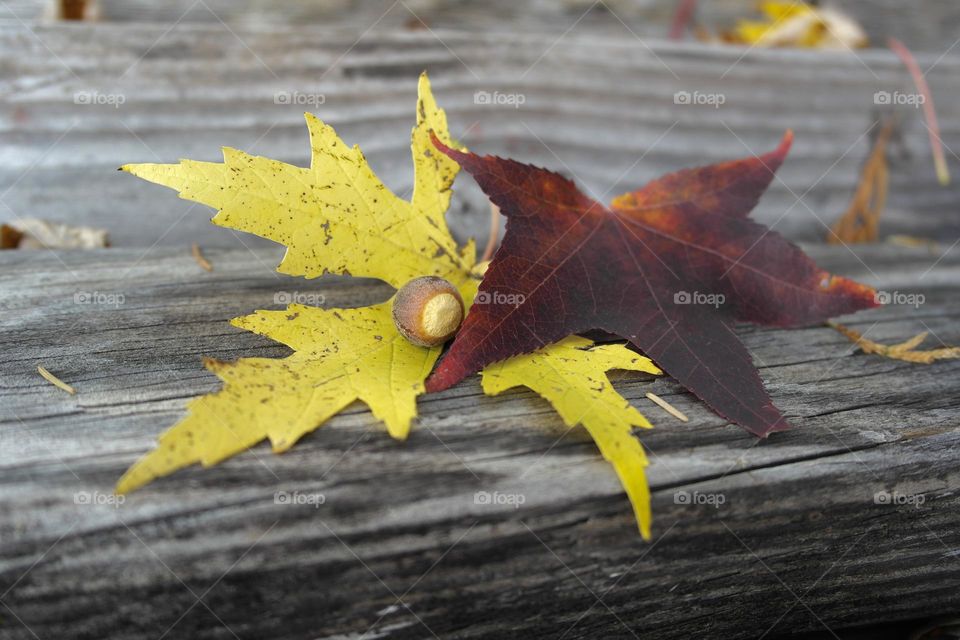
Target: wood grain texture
[
  {"x": 599, "y": 107},
  {"x": 933, "y": 26},
  {"x": 401, "y": 547}
]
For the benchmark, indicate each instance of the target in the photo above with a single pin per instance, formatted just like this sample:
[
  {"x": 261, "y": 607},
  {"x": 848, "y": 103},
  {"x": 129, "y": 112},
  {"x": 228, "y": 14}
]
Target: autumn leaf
[
  {"x": 341, "y": 355},
  {"x": 669, "y": 267},
  {"x": 793, "y": 23},
  {"x": 571, "y": 375},
  {"x": 335, "y": 217}
]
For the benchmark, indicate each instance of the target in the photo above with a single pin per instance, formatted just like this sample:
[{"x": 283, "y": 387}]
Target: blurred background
[{"x": 593, "y": 89}]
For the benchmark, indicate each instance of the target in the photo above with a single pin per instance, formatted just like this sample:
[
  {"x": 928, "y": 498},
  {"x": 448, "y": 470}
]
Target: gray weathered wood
[
  {"x": 799, "y": 543},
  {"x": 400, "y": 548},
  {"x": 926, "y": 25},
  {"x": 597, "y": 107}
]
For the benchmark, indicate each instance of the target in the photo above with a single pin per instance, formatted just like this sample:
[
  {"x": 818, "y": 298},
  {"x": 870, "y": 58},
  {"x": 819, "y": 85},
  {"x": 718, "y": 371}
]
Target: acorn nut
[{"x": 428, "y": 311}]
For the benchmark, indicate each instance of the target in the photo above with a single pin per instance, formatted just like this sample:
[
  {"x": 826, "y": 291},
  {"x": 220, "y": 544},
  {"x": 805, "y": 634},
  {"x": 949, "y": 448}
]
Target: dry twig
[
  {"x": 666, "y": 406},
  {"x": 203, "y": 262},
  {"x": 55, "y": 381}
]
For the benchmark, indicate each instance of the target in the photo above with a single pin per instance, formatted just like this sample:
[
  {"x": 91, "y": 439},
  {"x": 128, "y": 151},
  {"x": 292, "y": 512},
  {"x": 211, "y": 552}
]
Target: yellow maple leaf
[
  {"x": 341, "y": 355},
  {"x": 335, "y": 217},
  {"x": 572, "y": 377}
]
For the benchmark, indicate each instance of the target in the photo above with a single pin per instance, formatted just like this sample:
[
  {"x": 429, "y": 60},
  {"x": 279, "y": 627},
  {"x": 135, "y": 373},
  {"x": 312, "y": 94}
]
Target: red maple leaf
[{"x": 670, "y": 267}]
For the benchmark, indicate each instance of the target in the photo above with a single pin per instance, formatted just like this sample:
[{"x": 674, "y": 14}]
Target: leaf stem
[
  {"x": 494, "y": 233},
  {"x": 681, "y": 18}
]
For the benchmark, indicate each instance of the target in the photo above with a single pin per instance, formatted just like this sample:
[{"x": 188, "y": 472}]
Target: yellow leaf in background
[
  {"x": 797, "y": 24},
  {"x": 336, "y": 216},
  {"x": 572, "y": 377}
]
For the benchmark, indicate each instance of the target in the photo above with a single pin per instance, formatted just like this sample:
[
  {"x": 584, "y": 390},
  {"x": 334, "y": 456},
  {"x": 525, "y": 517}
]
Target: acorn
[{"x": 428, "y": 311}]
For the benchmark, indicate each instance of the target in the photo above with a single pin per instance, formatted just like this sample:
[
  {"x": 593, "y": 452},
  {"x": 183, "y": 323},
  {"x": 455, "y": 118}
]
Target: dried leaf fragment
[
  {"x": 45, "y": 234},
  {"x": 861, "y": 221},
  {"x": 905, "y": 351},
  {"x": 798, "y": 24},
  {"x": 9, "y": 237}
]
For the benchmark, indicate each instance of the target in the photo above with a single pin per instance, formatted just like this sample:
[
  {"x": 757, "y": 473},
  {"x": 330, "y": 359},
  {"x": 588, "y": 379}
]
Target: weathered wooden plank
[
  {"x": 932, "y": 27},
  {"x": 601, "y": 109},
  {"x": 401, "y": 544}
]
